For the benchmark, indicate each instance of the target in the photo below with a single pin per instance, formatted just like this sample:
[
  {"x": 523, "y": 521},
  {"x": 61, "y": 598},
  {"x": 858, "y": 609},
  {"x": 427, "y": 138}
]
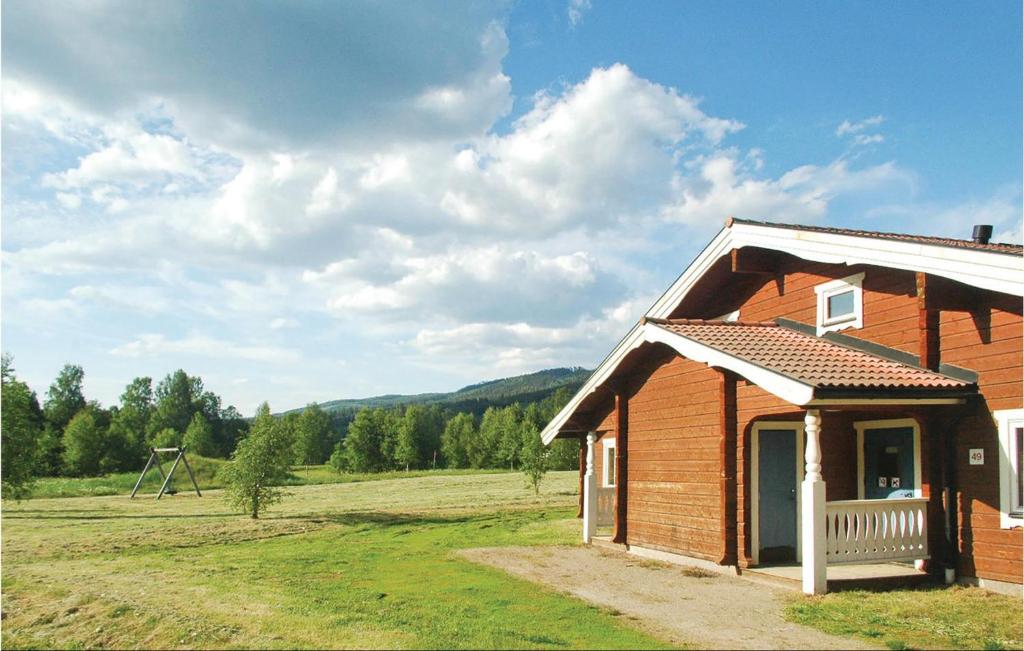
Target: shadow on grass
[{"x": 45, "y": 515}]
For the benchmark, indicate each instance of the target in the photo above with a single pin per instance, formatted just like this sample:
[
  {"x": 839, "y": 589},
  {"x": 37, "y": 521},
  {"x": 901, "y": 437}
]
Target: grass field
[
  {"x": 206, "y": 471},
  {"x": 360, "y": 564},
  {"x": 927, "y": 618}
]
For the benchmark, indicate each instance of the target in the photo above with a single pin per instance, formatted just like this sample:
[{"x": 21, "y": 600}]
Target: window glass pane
[
  {"x": 609, "y": 454},
  {"x": 1018, "y": 461},
  {"x": 840, "y": 304}
]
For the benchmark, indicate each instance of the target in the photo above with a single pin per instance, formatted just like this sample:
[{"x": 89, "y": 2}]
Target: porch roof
[
  {"x": 810, "y": 360},
  {"x": 801, "y": 368}
]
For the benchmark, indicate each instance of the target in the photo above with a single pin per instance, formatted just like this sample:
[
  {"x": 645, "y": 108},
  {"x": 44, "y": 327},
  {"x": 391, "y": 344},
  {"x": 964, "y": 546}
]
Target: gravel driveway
[{"x": 681, "y": 605}]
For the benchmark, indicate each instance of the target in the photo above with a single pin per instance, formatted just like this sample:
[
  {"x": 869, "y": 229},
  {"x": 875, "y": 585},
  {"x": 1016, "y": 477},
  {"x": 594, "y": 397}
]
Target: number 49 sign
[{"x": 976, "y": 457}]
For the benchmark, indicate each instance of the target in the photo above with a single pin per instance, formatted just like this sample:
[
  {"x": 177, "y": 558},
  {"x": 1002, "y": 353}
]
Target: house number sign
[{"x": 977, "y": 457}]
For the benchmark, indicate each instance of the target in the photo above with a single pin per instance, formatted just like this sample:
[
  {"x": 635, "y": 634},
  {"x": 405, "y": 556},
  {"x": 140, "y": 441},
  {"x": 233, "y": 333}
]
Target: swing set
[{"x": 154, "y": 460}]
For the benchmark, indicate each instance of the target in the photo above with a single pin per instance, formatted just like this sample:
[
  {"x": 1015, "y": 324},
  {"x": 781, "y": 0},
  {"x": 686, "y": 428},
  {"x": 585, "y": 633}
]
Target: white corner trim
[
  {"x": 827, "y": 290},
  {"x": 786, "y": 388},
  {"x": 1006, "y": 420},
  {"x": 864, "y": 426}
]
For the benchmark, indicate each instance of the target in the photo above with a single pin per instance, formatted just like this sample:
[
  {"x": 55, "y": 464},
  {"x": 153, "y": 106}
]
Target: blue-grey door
[
  {"x": 776, "y": 486},
  {"x": 889, "y": 463}
]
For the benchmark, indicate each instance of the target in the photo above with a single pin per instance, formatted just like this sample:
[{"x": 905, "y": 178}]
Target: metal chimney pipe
[{"x": 982, "y": 233}]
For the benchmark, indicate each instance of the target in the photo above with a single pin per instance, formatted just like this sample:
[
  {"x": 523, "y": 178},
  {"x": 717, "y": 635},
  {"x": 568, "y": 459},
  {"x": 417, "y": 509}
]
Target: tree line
[
  {"x": 68, "y": 435},
  {"x": 427, "y": 436}
]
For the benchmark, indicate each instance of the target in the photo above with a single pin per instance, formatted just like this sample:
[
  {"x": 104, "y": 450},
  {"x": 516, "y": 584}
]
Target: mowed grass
[
  {"x": 956, "y": 617},
  {"x": 361, "y": 564},
  {"x": 207, "y": 472}
]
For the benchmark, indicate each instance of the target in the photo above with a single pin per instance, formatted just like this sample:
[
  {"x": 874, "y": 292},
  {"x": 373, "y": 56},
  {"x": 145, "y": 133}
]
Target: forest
[{"x": 68, "y": 435}]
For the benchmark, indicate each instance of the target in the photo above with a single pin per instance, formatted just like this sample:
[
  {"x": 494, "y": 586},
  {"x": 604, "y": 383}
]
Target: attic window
[{"x": 840, "y": 304}]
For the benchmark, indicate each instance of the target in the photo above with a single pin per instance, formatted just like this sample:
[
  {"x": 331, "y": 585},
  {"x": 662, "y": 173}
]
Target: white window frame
[
  {"x": 609, "y": 444},
  {"x": 865, "y": 427},
  {"x": 1010, "y": 514},
  {"x": 832, "y": 288}
]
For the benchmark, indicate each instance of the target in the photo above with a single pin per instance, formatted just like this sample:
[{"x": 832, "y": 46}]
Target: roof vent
[{"x": 982, "y": 233}]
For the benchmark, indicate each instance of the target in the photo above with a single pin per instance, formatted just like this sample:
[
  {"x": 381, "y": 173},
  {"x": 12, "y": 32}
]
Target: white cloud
[
  {"x": 389, "y": 200},
  {"x": 201, "y": 346},
  {"x": 576, "y": 10},
  {"x": 848, "y": 127},
  {"x": 726, "y": 186},
  {"x": 858, "y": 132},
  {"x": 281, "y": 323}
]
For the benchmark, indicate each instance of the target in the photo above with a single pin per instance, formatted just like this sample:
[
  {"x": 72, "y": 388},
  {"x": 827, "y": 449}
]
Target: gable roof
[{"x": 994, "y": 267}]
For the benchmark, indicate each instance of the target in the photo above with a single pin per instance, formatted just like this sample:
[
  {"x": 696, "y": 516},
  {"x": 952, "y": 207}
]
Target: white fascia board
[
  {"x": 984, "y": 269},
  {"x": 790, "y": 390},
  {"x": 632, "y": 340}
]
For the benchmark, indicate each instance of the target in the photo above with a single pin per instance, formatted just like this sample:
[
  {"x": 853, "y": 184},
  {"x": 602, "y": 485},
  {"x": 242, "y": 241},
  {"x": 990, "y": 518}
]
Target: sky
[{"x": 302, "y": 201}]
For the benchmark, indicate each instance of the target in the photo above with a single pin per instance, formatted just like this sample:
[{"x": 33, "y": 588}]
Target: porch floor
[{"x": 861, "y": 576}]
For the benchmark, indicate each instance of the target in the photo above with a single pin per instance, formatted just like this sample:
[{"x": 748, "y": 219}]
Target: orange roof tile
[{"x": 814, "y": 361}]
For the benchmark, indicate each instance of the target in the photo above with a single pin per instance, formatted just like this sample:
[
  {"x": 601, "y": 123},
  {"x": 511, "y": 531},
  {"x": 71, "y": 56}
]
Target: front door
[
  {"x": 889, "y": 463},
  {"x": 777, "y": 486}
]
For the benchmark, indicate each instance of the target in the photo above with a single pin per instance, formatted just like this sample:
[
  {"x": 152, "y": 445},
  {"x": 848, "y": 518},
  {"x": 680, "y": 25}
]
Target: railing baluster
[{"x": 860, "y": 531}]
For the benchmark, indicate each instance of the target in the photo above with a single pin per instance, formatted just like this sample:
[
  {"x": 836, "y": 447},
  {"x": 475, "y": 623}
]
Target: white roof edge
[
  {"x": 790, "y": 390},
  {"x": 989, "y": 270}
]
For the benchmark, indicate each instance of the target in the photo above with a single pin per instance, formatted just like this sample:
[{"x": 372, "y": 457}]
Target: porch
[{"x": 877, "y": 541}]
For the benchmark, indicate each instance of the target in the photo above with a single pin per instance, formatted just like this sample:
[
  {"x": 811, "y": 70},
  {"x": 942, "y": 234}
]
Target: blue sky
[{"x": 305, "y": 201}]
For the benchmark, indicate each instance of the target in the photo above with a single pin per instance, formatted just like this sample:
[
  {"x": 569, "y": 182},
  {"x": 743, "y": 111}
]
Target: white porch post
[
  {"x": 590, "y": 493},
  {"x": 813, "y": 509}
]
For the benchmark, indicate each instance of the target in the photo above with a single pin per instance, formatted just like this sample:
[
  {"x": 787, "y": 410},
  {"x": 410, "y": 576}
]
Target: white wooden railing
[
  {"x": 858, "y": 531},
  {"x": 605, "y": 506}
]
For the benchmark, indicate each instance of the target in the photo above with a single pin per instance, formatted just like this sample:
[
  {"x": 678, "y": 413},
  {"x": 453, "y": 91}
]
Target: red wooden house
[{"x": 817, "y": 396}]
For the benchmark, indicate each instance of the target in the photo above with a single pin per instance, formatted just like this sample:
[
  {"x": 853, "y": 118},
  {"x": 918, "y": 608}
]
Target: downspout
[{"x": 949, "y": 494}]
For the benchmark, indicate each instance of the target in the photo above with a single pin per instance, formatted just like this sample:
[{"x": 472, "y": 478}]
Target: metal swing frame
[{"x": 154, "y": 459}]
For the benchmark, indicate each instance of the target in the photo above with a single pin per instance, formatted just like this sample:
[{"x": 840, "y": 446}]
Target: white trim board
[
  {"x": 799, "y": 431},
  {"x": 864, "y": 426},
  {"x": 607, "y": 443},
  {"x": 1006, "y": 421},
  {"x": 984, "y": 269}
]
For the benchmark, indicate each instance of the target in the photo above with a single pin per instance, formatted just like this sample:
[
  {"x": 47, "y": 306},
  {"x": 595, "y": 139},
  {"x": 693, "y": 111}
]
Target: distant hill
[{"x": 475, "y": 398}]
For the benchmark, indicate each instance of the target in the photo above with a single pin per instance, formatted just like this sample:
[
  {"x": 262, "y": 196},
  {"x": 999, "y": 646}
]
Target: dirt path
[{"x": 672, "y": 602}]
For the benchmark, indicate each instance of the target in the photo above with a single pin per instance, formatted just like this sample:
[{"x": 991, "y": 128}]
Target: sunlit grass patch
[{"x": 925, "y": 618}]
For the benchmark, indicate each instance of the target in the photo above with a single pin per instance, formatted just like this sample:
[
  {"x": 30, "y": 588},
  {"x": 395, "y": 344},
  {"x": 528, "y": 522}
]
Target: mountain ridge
[{"x": 526, "y": 388}]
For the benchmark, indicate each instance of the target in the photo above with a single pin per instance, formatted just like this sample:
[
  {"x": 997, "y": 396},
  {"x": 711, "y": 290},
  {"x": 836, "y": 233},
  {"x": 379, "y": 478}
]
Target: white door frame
[
  {"x": 797, "y": 427},
  {"x": 893, "y": 423}
]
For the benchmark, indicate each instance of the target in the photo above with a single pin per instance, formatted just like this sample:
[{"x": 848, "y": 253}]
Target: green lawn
[
  {"x": 206, "y": 471},
  {"x": 363, "y": 564},
  {"x": 927, "y": 618}
]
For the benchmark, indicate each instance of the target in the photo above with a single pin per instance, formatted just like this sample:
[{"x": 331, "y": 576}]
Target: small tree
[
  {"x": 339, "y": 458},
  {"x": 534, "y": 457},
  {"x": 83, "y": 444},
  {"x": 458, "y": 433},
  {"x": 199, "y": 436},
  {"x": 21, "y": 426},
  {"x": 259, "y": 465},
  {"x": 312, "y": 435},
  {"x": 168, "y": 437}
]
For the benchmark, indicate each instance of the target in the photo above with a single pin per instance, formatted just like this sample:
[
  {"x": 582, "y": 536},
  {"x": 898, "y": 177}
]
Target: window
[
  {"x": 840, "y": 304},
  {"x": 608, "y": 461},
  {"x": 1011, "y": 464}
]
